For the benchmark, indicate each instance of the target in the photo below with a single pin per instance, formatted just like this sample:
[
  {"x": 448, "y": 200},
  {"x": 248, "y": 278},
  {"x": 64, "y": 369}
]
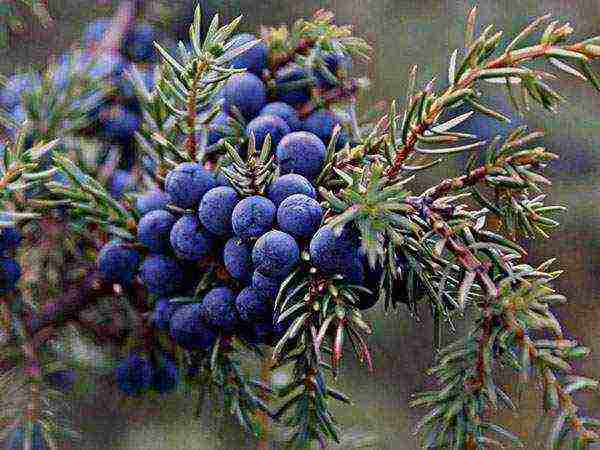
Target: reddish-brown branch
[
  {"x": 302, "y": 48},
  {"x": 510, "y": 59}
]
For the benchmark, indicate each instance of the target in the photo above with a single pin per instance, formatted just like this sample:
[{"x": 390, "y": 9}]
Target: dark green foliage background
[{"x": 403, "y": 33}]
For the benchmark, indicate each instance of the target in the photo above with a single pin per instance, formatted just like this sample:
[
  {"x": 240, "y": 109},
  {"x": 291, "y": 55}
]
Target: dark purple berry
[
  {"x": 331, "y": 253},
  {"x": 163, "y": 311},
  {"x": 293, "y": 85},
  {"x": 154, "y": 229},
  {"x": 285, "y": 111},
  {"x": 218, "y": 309},
  {"x": 275, "y": 254},
  {"x": 267, "y": 288},
  {"x": 299, "y": 215},
  {"x": 10, "y": 273},
  {"x": 302, "y": 153},
  {"x": 134, "y": 375},
  {"x": 252, "y": 307},
  {"x": 287, "y": 185},
  {"x": 189, "y": 240},
  {"x": 118, "y": 263},
  {"x": 139, "y": 43},
  {"x": 162, "y": 275},
  {"x": 165, "y": 376},
  {"x": 274, "y": 126},
  {"x": 322, "y": 123},
  {"x": 253, "y": 217},
  {"x": 187, "y": 183},
  {"x": 216, "y": 208},
  {"x": 247, "y": 93},
  {"x": 237, "y": 259},
  {"x": 254, "y": 59},
  {"x": 189, "y": 330}
]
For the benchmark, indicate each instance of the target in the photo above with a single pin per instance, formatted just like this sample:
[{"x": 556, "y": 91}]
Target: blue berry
[
  {"x": 218, "y": 309},
  {"x": 267, "y": 288},
  {"x": 10, "y": 238},
  {"x": 216, "y": 208},
  {"x": 293, "y": 85},
  {"x": 275, "y": 254},
  {"x": 118, "y": 263},
  {"x": 332, "y": 253},
  {"x": 152, "y": 201},
  {"x": 237, "y": 259},
  {"x": 154, "y": 229},
  {"x": 119, "y": 123},
  {"x": 322, "y": 122},
  {"x": 134, "y": 375},
  {"x": 187, "y": 183},
  {"x": 17, "y": 439},
  {"x": 120, "y": 182},
  {"x": 61, "y": 380},
  {"x": 299, "y": 215},
  {"x": 302, "y": 153},
  {"x": 265, "y": 124},
  {"x": 161, "y": 275},
  {"x": 163, "y": 311},
  {"x": 218, "y": 128},
  {"x": 165, "y": 376},
  {"x": 252, "y": 307},
  {"x": 254, "y": 59},
  {"x": 354, "y": 273},
  {"x": 247, "y": 93},
  {"x": 189, "y": 330},
  {"x": 189, "y": 240},
  {"x": 285, "y": 111},
  {"x": 139, "y": 43},
  {"x": 10, "y": 272},
  {"x": 253, "y": 217},
  {"x": 287, "y": 185}
]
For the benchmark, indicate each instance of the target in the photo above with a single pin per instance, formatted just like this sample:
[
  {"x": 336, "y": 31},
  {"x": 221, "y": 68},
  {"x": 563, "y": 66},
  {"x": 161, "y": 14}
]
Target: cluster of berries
[
  {"x": 200, "y": 220},
  {"x": 10, "y": 270},
  {"x": 139, "y": 373}
]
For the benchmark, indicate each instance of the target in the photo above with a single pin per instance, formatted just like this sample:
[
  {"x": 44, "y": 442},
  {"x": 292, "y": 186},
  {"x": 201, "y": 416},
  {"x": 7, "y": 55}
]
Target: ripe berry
[
  {"x": 218, "y": 128},
  {"x": 118, "y": 122},
  {"x": 252, "y": 307},
  {"x": 266, "y": 124},
  {"x": 17, "y": 439},
  {"x": 299, "y": 215},
  {"x": 253, "y": 217},
  {"x": 275, "y": 254},
  {"x": 188, "y": 329},
  {"x": 216, "y": 208},
  {"x": 237, "y": 259},
  {"x": 302, "y": 153},
  {"x": 254, "y": 59},
  {"x": 322, "y": 123},
  {"x": 10, "y": 238},
  {"x": 165, "y": 376},
  {"x": 290, "y": 184},
  {"x": 218, "y": 309},
  {"x": 163, "y": 311},
  {"x": 285, "y": 111},
  {"x": 134, "y": 375},
  {"x": 265, "y": 287},
  {"x": 118, "y": 263},
  {"x": 162, "y": 275},
  {"x": 189, "y": 240},
  {"x": 139, "y": 43},
  {"x": 246, "y": 92},
  {"x": 10, "y": 272},
  {"x": 120, "y": 182},
  {"x": 187, "y": 183},
  {"x": 293, "y": 85},
  {"x": 354, "y": 273},
  {"x": 154, "y": 229},
  {"x": 332, "y": 253},
  {"x": 61, "y": 380},
  {"x": 152, "y": 201}
]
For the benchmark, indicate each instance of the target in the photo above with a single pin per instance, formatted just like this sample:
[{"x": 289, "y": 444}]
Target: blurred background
[{"x": 403, "y": 33}]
